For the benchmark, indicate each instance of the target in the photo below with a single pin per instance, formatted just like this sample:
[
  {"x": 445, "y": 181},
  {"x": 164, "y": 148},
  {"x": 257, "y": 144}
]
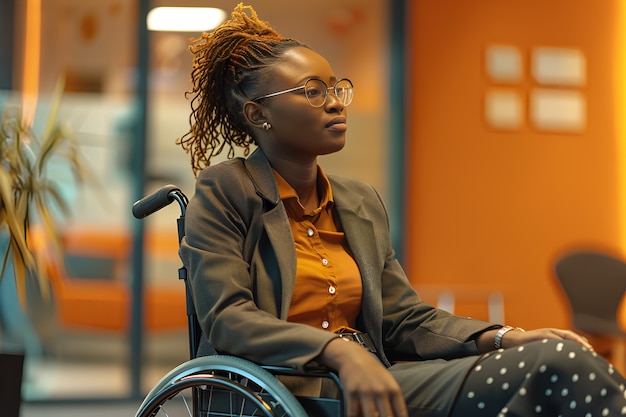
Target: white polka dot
[
  {"x": 542, "y": 369},
  {"x": 498, "y": 356},
  {"x": 502, "y": 371},
  {"x": 544, "y": 341},
  {"x": 571, "y": 355},
  {"x": 575, "y": 378},
  {"x": 522, "y": 392},
  {"x": 554, "y": 378},
  {"x": 528, "y": 375},
  {"x": 564, "y": 392},
  {"x": 603, "y": 392},
  {"x": 490, "y": 380},
  {"x": 572, "y": 405},
  {"x": 521, "y": 364},
  {"x": 548, "y": 392},
  {"x": 559, "y": 347},
  {"x": 592, "y": 376},
  {"x": 504, "y": 410},
  {"x": 624, "y": 410},
  {"x": 505, "y": 386},
  {"x": 605, "y": 412},
  {"x": 470, "y": 394},
  {"x": 611, "y": 370},
  {"x": 481, "y": 405},
  {"x": 478, "y": 368},
  {"x": 520, "y": 349},
  {"x": 588, "y": 399},
  {"x": 588, "y": 415},
  {"x": 538, "y": 409}
]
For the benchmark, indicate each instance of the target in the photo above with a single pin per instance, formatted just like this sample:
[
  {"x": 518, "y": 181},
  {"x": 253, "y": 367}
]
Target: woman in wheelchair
[{"x": 291, "y": 266}]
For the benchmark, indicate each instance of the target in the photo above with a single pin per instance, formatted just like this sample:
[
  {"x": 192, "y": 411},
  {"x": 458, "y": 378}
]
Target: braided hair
[{"x": 229, "y": 66}]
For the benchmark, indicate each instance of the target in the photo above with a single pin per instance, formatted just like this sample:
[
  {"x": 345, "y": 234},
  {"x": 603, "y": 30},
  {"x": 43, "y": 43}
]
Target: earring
[{"x": 266, "y": 126}]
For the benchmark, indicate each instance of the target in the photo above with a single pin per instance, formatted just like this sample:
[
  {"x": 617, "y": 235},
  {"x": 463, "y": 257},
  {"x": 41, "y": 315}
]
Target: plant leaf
[
  {"x": 27, "y": 195},
  {"x": 11, "y": 219}
]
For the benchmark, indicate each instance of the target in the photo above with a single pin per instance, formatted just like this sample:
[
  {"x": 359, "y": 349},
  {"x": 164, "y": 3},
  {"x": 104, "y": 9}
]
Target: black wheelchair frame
[{"x": 223, "y": 385}]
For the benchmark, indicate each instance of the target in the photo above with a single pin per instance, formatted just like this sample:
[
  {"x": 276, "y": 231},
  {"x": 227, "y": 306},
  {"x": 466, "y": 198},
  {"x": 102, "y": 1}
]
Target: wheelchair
[{"x": 223, "y": 385}]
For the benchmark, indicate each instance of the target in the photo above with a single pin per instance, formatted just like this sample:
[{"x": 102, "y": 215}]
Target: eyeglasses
[{"x": 316, "y": 91}]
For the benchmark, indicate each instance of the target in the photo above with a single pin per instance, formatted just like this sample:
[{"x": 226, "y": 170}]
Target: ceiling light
[{"x": 185, "y": 19}]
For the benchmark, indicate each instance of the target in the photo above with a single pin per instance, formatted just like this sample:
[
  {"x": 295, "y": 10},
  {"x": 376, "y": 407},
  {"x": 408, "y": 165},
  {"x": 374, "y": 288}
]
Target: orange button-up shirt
[{"x": 328, "y": 288}]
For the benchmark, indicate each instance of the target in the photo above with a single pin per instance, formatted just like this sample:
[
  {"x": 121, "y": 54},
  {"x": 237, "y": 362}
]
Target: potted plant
[{"x": 29, "y": 197}]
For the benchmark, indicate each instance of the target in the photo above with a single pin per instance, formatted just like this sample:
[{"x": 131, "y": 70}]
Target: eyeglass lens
[{"x": 316, "y": 91}]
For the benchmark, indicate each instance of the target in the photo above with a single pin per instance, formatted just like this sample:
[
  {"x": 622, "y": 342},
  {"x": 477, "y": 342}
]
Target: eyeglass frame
[{"x": 290, "y": 90}]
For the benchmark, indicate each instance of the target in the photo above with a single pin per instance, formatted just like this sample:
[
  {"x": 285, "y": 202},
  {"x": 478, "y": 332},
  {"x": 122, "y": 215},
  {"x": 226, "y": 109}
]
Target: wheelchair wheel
[{"x": 220, "y": 385}]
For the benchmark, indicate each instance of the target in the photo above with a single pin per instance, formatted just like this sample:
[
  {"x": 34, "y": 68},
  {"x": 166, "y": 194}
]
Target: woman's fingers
[
  {"x": 550, "y": 333},
  {"x": 377, "y": 395},
  {"x": 383, "y": 405},
  {"x": 570, "y": 335},
  {"x": 399, "y": 405},
  {"x": 369, "y": 389}
]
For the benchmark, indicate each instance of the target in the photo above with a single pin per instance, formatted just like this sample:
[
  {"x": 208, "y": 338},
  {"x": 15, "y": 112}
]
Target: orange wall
[{"x": 489, "y": 209}]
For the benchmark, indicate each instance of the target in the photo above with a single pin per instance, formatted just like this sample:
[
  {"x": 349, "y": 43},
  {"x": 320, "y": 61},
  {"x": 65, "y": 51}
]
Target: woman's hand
[
  {"x": 369, "y": 389},
  {"x": 514, "y": 337}
]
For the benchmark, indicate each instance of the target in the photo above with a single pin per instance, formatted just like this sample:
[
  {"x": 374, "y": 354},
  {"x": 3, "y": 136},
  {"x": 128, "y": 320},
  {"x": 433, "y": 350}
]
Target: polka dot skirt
[{"x": 544, "y": 378}]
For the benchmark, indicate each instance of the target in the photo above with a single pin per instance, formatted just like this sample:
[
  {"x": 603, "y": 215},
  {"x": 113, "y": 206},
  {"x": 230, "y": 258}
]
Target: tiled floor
[
  {"x": 105, "y": 409},
  {"x": 64, "y": 390},
  {"x": 66, "y": 383}
]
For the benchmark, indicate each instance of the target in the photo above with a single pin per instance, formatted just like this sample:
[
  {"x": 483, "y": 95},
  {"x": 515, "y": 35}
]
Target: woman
[{"x": 290, "y": 266}]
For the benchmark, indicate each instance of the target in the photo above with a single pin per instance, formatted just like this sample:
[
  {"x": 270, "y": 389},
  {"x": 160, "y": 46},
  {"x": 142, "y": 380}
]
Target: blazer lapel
[
  {"x": 279, "y": 233},
  {"x": 362, "y": 242},
  {"x": 275, "y": 224},
  {"x": 261, "y": 174}
]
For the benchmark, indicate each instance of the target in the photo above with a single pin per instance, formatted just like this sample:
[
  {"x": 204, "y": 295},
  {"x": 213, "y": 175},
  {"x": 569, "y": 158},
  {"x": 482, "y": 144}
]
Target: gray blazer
[{"x": 241, "y": 260}]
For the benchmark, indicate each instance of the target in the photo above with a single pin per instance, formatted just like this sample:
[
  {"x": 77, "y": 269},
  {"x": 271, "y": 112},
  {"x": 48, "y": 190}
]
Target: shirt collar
[{"x": 292, "y": 202}]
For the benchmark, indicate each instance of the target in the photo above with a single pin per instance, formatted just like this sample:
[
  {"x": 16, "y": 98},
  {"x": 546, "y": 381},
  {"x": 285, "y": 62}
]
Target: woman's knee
[{"x": 565, "y": 355}]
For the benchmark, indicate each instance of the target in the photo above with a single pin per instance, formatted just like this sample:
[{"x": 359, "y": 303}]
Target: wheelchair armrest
[
  {"x": 315, "y": 370},
  {"x": 315, "y": 406}
]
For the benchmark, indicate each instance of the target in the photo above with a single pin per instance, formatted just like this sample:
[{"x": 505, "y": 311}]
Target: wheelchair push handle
[{"x": 159, "y": 199}]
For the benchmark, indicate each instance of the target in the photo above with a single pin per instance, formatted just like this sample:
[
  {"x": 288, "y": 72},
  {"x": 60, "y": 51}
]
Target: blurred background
[{"x": 494, "y": 131}]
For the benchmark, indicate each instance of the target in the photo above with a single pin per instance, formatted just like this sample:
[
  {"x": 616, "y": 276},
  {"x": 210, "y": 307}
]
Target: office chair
[
  {"x": 594, "y": 284},
  {"x": 222, "y": 385}
]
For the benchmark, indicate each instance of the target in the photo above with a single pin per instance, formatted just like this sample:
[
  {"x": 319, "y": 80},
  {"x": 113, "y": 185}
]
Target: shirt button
[
  {"x": 310, "y": 232},
  {"x": 332, "y": 290},
  {"x": 324, "y": 261},
  {"x": 325, "y": 324}
]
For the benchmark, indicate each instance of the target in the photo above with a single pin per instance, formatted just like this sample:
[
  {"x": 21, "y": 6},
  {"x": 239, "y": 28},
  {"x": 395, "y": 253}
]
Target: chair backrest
[{"x": 594, "y": 284}]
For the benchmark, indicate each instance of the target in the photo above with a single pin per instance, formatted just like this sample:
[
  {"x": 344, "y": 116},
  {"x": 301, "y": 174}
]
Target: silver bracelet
[{"x": 504, "y": 330}]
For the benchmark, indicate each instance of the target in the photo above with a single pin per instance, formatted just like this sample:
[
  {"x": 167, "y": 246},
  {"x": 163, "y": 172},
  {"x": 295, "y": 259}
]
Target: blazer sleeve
[{"x": 410, "y": 328}]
